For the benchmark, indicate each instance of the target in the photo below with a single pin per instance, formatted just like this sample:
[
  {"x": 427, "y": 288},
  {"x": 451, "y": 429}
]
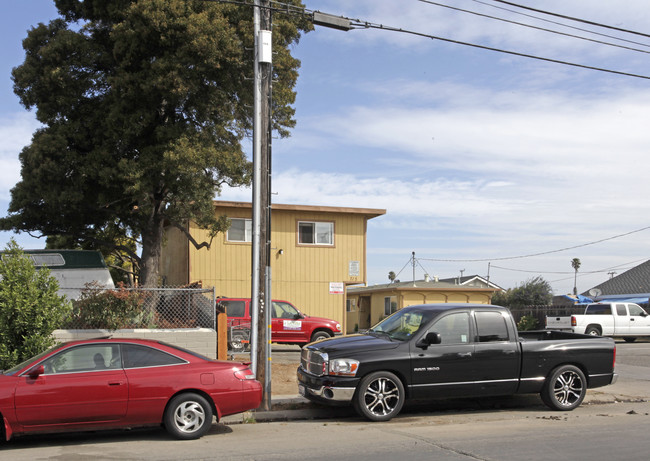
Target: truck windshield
[{"x": 402, "y": 324}]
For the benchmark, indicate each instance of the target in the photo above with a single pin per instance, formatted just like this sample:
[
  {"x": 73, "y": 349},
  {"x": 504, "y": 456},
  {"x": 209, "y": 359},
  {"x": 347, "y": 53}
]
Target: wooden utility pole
[{"x": 261, "y": 276}]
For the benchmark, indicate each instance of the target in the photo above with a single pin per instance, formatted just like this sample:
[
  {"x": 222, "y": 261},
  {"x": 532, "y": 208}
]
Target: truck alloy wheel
[
  {"x": 565, "y": 388},
  {"x": 380, "y": 396}
]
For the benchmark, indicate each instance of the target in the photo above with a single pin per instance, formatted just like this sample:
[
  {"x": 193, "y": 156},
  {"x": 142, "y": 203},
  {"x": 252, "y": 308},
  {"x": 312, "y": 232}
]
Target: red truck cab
[{"x": 288, "y": 324}]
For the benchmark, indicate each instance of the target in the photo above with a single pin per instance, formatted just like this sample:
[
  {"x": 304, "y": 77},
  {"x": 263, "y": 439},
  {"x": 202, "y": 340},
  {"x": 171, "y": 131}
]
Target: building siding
[{"x": 301, "y": 274}]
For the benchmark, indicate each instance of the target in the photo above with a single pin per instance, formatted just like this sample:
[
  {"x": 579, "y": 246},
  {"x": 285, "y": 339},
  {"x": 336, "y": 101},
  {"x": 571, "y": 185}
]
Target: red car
[
  {"x": 111, "y": 383},
  {"x": 288, "y": 324}
]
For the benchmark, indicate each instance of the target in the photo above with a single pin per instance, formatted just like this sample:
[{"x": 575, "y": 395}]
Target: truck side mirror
[
  {"x": 429, "y": 339},
  {"x": 433, "y": 338}
]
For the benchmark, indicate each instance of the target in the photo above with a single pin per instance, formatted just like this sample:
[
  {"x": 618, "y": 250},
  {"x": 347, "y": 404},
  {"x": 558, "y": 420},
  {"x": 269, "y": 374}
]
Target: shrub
[
  {"x": 30, "y": 307},
  {"x": 527, "y": 322},
  {"x": 99, "y": 308}
]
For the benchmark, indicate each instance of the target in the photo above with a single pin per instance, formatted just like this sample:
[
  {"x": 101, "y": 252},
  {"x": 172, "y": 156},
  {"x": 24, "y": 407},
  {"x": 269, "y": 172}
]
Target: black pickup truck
[{"x": 437, "y": 351}]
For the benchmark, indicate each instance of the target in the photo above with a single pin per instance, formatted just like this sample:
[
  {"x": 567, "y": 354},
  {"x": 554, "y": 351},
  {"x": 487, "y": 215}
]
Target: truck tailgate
[{"x": 558, "y": 323}]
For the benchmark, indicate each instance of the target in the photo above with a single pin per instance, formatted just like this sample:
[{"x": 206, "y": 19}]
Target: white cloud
[{"x": 16, "y": 132}]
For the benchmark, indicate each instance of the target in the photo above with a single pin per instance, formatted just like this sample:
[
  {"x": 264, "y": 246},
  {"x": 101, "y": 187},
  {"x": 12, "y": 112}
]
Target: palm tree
[
  {"x": 391, "y": 276},
  {"x": 575, "y": 263}
]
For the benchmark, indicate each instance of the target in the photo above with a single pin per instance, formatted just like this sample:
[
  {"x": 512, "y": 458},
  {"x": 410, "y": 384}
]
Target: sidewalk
[{"x": 297, "y": 408}]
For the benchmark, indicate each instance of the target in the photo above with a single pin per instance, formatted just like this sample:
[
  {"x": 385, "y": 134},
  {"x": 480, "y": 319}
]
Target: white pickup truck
[{"x": 627, "y": 320}]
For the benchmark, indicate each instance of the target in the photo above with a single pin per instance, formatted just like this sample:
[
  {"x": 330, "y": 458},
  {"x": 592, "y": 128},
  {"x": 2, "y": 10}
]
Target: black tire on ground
[
  {"x": 379, "y": 397},
  {"x": 629, "y": 339},
  {"x": 188, "y": 416},
  {"x": 565, "y": 388},
  {"x": 593, "y": 331},
  {"x": 318, "y": 335}
]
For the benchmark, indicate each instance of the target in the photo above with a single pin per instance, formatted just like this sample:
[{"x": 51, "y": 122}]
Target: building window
[
  {"x": 241, "y": 230},
  {"x": 390, "y": 305},
  {"x": 315, "y": 233},
  {"x": 351, "y": 305}
]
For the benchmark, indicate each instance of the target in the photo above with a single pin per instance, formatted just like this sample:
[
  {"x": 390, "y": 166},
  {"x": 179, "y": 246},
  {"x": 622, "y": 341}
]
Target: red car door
[
  {"x": 287, "y": 324},
  {"x": 80, "y": 384}
]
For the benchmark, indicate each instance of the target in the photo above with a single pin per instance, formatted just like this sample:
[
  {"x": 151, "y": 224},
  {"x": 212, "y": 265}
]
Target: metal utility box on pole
[{"x": 260, "y": 282}]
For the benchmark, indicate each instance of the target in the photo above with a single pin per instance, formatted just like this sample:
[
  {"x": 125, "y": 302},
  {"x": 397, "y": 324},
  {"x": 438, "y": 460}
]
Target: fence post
[{"x": 222, "y": 332}]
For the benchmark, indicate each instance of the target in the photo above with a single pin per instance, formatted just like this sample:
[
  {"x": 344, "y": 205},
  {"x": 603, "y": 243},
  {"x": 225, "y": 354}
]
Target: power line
[
  {"x": 367, "y": 25},
  {"x": 538, "y": 18},
  {"x": 358, "y": 24},
  {"x": 534, "y": 27},
  {"x": 584, "y": 21},
  {"x": 541, "y": 253}
]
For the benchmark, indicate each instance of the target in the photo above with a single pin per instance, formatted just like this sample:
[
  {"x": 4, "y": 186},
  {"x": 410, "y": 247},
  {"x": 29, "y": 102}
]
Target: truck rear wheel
[
  {"x": 565, "y": 388},
  {"x": 380, "y": 396},
  {"x": 593, "y": 331}
]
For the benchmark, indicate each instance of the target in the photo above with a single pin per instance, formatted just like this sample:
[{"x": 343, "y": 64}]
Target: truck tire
[
  {"x": 565, "y": 388},
  {"x": 318, "y": 335},
  {"x": 379, "y": 397},
  {"x": 593, "y": 331}
]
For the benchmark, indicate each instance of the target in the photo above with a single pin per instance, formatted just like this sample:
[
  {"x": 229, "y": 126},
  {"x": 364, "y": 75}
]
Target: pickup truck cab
[
  {"x": 452, "y": 350},
  {"x": 627, "y": 320},
  {"x": 288, "y": 324}
]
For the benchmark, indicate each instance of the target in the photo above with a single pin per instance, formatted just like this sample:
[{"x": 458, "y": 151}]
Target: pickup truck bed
[{"x": 452, "y": 350}]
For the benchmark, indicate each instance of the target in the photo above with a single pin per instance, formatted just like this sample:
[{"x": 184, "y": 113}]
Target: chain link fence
[{"x": 155, "y": 308}]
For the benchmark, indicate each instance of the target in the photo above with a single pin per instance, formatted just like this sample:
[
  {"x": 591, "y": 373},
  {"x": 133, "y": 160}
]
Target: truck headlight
[
  {"x": 343, "y": 367},
  {"x": 338, "y": 327}
]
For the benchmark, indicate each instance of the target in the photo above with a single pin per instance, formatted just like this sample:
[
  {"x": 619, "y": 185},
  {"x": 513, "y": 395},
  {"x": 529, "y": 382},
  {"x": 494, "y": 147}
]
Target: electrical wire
[
  {"x": 538, "y": 18},
  {"x": 534, "y": 27},
  {"x": 541, "y": 253},
  {"x": 584, "y": 21},
  {"x": 358, "y": 24},
  {"x": 367, "y": 25}
]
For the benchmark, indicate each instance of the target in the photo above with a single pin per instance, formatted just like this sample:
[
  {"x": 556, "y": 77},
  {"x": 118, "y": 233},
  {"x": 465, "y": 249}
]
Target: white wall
[{"x": 201, "y": 340}]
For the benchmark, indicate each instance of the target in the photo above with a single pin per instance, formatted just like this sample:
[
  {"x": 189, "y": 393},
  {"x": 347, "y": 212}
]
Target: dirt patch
[
  {"x": 283, "y": 376},
  {"x": 283, "y": 379}
]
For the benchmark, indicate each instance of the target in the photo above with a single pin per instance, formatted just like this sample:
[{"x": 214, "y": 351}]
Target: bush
[
  {"x": 527, "y": 322},
  {"x": 30, "y": 307},
  {"x": 99, "y": 308}
]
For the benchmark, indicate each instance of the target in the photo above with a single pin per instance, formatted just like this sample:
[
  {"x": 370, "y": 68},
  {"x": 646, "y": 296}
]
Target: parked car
[
  {"x": 452, "y": 350},
  {"x": 627, "y": 320},
  {"x": 112, "y": 383},
  {"x": 288, "y": 324}
]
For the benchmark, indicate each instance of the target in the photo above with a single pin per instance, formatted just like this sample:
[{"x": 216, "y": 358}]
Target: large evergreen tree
[{"x": 144, "y": 105}]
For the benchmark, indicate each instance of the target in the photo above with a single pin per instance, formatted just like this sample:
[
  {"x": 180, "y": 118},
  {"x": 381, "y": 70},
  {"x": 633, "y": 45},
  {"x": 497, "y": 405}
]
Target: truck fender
[{"x": 594, "y": 329}]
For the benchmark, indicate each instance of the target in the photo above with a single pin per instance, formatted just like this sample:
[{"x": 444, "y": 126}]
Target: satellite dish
[{"x": 595, "y": 292}]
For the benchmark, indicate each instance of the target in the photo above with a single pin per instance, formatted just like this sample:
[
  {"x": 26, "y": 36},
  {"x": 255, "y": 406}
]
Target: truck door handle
[
  {"x": 115, "y": 383},
  {"x": 464, "y": 354}
]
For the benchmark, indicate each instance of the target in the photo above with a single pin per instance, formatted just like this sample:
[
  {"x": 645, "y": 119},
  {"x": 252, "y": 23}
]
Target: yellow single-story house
[
  {"x": 316, "y": 253},
  {"x": 369, "y": 304}
]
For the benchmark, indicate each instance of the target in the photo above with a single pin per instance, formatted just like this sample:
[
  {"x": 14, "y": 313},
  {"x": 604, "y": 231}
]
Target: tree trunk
[{"x": 152, "y": 239}]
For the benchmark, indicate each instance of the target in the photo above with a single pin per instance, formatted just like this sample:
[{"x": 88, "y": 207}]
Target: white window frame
[
  {"x": 319, "y": 228},
  {"x": 248, "y": 231}
]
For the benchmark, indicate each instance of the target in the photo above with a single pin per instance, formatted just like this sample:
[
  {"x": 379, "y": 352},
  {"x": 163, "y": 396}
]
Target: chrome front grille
[{"x": 313, "y": 362}]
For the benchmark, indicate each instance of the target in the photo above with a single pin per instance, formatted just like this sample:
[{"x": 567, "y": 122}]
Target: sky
[{"x": 486, "y": 163}]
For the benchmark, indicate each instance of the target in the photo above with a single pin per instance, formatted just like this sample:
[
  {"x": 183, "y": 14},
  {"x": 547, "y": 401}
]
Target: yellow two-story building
[{"x": 316, "y": 252}]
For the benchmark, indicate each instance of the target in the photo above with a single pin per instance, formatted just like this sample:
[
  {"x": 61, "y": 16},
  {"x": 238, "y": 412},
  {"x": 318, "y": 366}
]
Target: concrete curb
[{"x": 297, "y": 408}]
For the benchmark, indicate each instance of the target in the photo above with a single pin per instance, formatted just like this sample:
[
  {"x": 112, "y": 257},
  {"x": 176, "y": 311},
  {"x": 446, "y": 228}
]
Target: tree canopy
[
  {"x": 144, "y": 106},
  {"x": 533, "y": 292}
]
